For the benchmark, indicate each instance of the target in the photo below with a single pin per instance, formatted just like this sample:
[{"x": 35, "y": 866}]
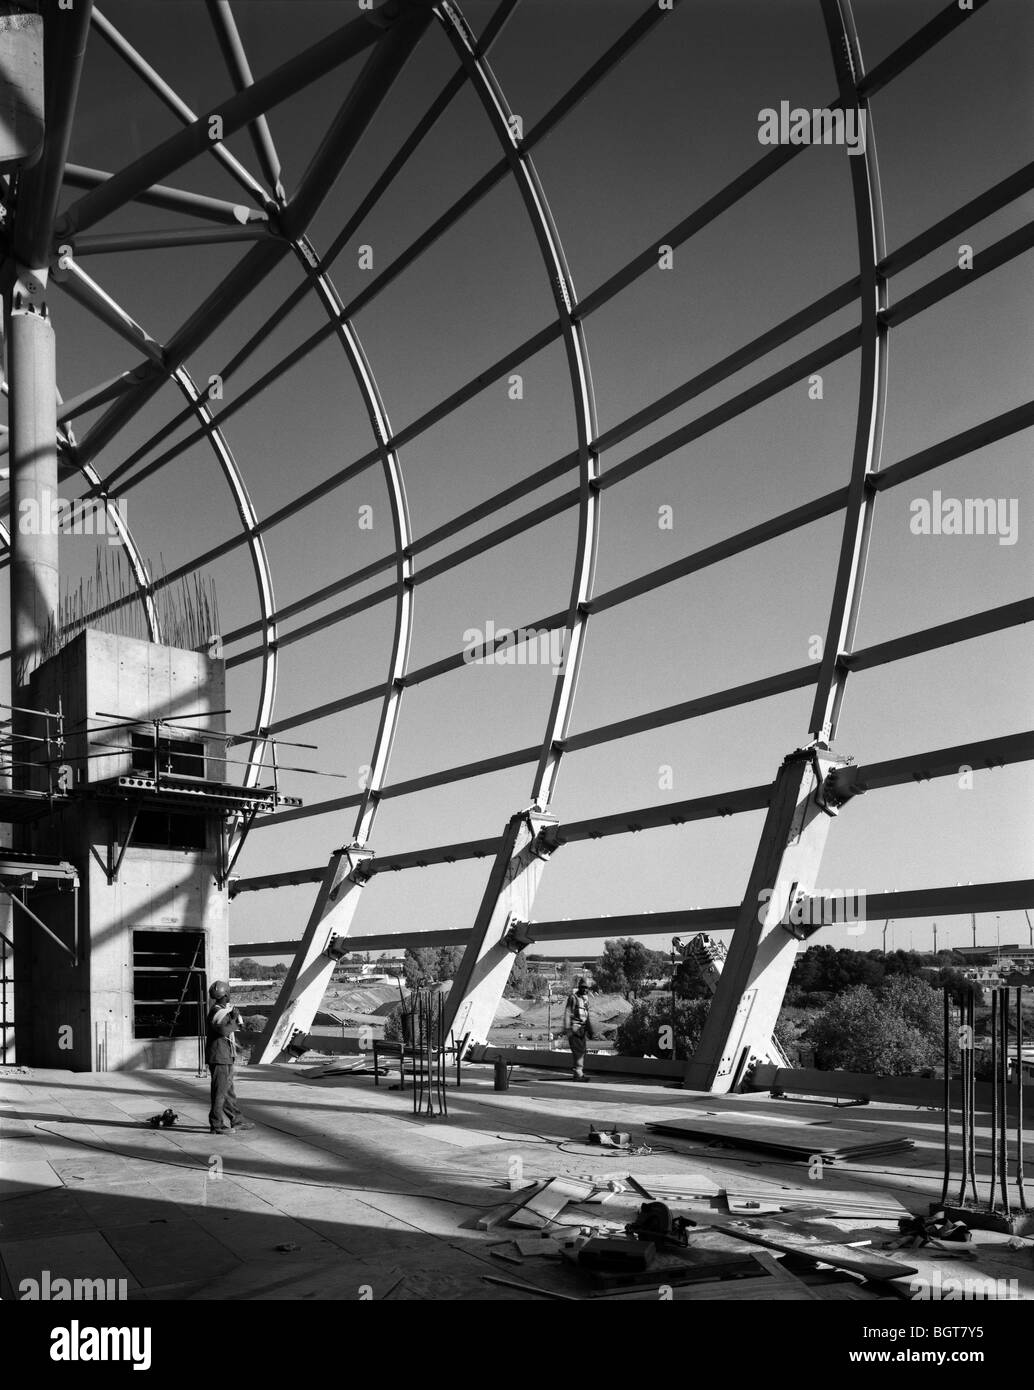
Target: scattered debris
[{"x": 935, "y": 1230}]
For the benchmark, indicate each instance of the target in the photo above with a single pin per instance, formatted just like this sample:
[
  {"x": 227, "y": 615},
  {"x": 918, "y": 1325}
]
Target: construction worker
[
  {"x": 221, "y": 1055},
  {"x": 578, "y": 1025}
]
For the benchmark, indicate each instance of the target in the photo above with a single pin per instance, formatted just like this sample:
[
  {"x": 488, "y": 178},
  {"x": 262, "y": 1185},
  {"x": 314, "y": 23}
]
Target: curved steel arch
[
  {"x": 393, "y": 477},
  {"x": 872, "y": 385},
  {"x": 525, "y": 176}
]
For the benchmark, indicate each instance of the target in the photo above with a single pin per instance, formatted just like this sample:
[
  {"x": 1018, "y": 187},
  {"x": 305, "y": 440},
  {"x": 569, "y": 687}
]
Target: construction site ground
[{"x": 340, "y": 1192}]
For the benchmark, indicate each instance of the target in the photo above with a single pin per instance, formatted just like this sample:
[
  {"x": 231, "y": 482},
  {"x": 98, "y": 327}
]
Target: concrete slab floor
[{"x": 339, "y": 1188}]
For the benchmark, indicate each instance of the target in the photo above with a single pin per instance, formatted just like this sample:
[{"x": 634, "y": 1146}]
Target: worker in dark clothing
[
  {"x": 221, "y": 1055},
  {"x": 578, "y": 1026}
]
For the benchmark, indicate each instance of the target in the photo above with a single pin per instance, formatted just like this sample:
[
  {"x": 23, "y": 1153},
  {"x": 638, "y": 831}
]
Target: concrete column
[
  {"x": 749, "y": 994},
  {"x": 311, "y": 971},
  {"x": 478, "y": 988},
  {"x": 34, "y": 484}
]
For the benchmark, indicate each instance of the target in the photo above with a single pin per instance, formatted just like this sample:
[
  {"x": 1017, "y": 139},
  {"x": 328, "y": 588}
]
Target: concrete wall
[{"x": 157, "y": 888}]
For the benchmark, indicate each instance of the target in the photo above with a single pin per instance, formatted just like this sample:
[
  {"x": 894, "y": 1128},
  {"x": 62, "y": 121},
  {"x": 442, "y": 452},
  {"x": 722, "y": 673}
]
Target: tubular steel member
[
  {"x": 872, "y": 384},
  {"x": 295, "y": 1011},
  {"x": 739, "y": 1025},
  {"x": 401, "y": 527},
  {"x": 525, "y": 844},
  {"x": 551, "y": 249}
]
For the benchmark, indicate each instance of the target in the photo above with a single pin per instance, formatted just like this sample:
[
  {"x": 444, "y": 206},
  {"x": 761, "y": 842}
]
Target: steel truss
[{"x": 272, "y": 225}]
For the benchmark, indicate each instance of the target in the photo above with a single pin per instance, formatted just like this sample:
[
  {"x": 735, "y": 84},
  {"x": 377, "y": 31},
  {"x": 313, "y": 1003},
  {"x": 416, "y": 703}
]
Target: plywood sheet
[
  {"x": 782, "y": 1136},
  {"x": 540, "y": 1209},
  {"x": 869, "y": 1264}
]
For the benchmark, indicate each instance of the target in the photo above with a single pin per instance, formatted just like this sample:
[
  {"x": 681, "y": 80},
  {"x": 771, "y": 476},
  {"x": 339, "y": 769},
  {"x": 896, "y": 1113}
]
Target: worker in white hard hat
[
  {"x": 224, "y": 1019},
  {"x": 578, "y": 1026}
]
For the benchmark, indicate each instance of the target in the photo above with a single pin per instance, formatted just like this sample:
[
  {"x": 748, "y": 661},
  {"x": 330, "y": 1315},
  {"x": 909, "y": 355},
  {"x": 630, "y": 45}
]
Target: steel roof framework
[{"x": 275, "y": 224}]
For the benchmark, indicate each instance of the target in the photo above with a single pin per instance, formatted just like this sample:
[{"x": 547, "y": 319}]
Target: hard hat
[{"x": 220, "y": 990}]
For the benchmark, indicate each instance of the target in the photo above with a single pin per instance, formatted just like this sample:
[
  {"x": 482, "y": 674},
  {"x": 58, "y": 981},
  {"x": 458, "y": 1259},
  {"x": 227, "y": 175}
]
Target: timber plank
[
  {"x": 869, "y": 1264},
  {"x": 542, "y": 1207}
]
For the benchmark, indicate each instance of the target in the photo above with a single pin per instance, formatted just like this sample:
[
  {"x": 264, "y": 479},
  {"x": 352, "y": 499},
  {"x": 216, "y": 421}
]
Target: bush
[
  {"x": 254, "y": 1023},
  {"x": 896, "y": 1030},
  {"x": 646, "y": 1032}
]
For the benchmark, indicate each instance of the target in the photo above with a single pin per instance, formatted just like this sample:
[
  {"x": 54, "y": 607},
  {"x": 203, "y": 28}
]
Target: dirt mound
[{"x": 606, "y": 1009}]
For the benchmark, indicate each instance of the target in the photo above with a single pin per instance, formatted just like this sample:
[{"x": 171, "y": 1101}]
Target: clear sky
[{"x": 674, "y": 123}]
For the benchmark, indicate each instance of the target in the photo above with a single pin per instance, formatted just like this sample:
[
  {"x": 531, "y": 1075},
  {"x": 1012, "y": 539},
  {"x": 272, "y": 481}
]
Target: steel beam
[
  {"x": 175, "y": 104},
  {"x": 358, "y": 110},
  {"x": 229, "y": 116},
  {"x": 481, "y": 977},
  {"x": 914, "y": 767},
  {"x": 872, "y": 381},
  {"x": 402, "y": 533},
  {"x": 913, "y": 251},
  {"x": 306, "y": 981},
  {"x": 591, "y": 78},
  {"x": 1010, "y": 896},
  {"x": 171, "y": 239},
  {"x": 917, "y": 46},
  {"x": 170, "y": 199},
  {"x": 749, "y": 995},
  {"x": 942, "y": 635},
  {"x": 991, "y": 258},
  {"x": 387, "y": 941},
  {"x": 240, "y": 71},
  {"x": 39, "y": 188}
]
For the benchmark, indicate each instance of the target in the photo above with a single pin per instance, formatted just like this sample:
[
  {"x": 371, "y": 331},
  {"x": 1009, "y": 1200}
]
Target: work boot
[
  {"x": 218, "y": 1131},
  {"x": 241, "y": 1125},
  {"x": 580, "y": 1076}
]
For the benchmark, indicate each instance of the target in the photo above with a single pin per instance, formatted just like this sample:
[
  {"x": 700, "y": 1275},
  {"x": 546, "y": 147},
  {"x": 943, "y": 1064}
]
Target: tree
[
  {"x": 648, "y": 1032},
  {"x": 250, "y": 970},
  {"x": 278, "y": 971},
  {"x": 419, "y": 966},
  {"x": 430, "y": 965},
  {"x": 893, "y": 1031},
  {"x": 524, "y": 982},
  {"x": 624, "y": 968},
  {"x": 959, "y": 984}
]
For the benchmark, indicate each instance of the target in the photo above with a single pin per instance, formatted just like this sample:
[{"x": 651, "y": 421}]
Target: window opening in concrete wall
[{"x": 169, "y": 985}]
